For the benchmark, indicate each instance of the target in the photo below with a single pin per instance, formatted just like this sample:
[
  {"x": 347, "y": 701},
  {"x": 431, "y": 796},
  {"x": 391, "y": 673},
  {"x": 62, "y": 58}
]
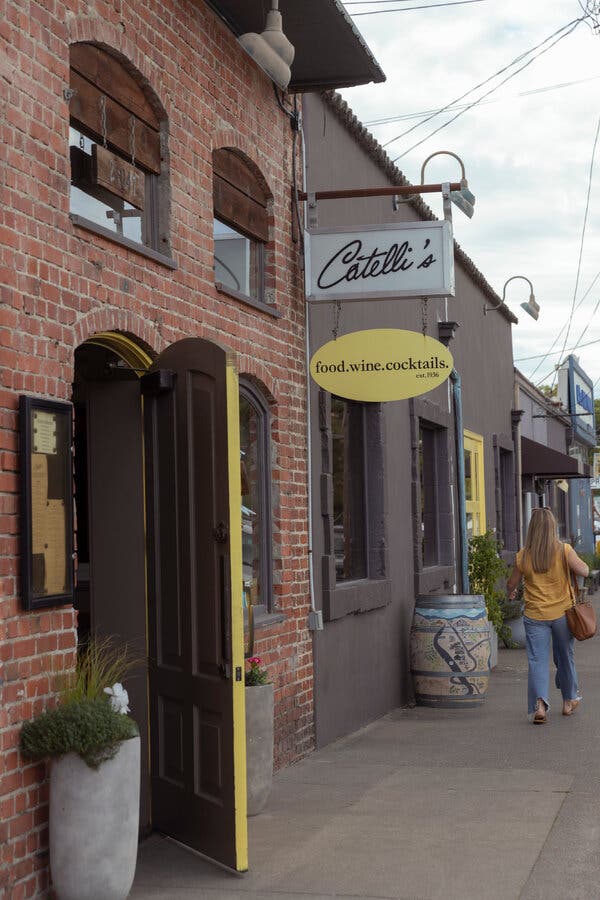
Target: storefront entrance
[{"x": 157, "y": 472}]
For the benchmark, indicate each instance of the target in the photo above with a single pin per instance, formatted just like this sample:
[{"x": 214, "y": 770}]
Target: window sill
[
  {"x": 264, "y": 619},
  {"x": 154, "y": 255},
  {"x": 249, "y": 301},
  {"x": 356, "y": 597},
  {"x": 434, "y": 578}
]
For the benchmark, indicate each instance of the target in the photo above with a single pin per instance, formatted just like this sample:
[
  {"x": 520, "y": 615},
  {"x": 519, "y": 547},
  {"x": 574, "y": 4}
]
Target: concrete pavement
[{"x": 422, "y": 805}]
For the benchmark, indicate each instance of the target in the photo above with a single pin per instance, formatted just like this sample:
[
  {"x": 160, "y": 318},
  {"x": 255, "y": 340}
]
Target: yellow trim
[
  {"x": 124, "y": 347},
  {"x": 237, "y": 622},
  {"x": 473, "y": 444}
]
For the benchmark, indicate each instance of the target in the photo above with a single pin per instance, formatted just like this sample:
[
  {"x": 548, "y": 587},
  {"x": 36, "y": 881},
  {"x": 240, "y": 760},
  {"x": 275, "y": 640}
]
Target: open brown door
[{"x": 195, "y": 625}]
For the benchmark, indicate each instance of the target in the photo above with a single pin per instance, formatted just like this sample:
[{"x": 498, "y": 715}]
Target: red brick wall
[{"x": 59, "y": 284}]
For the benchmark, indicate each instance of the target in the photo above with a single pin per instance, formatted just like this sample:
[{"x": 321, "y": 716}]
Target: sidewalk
[{"x": 425, "y": 804}]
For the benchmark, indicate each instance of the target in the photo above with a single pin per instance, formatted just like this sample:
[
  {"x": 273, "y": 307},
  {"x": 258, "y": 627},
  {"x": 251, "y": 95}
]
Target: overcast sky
[{"x": 527, "y": 158}]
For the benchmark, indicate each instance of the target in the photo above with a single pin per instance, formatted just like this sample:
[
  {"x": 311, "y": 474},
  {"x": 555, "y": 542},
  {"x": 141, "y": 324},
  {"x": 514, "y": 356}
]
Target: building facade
[
  {"x": 149, "y": 255},
  {"x": 385, "y": 476}
]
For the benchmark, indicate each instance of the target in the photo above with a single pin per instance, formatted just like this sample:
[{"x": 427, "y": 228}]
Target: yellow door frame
[{"x": 475, "y": 507}]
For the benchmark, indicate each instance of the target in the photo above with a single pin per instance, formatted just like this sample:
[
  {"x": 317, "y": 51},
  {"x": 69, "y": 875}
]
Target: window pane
[
  {"x": 429, "y": 501},
  {"x": 95, "y": 203},
  {"x": 349, "y": 491},
  {"x": 237, "y": 260},
  {"x": 252, "y": 506}
]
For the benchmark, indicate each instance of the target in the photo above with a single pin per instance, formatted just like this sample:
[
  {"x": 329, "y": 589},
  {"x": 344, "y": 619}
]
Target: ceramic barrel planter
[
  {"x": 450, "y": 651},
  {"x": 94, "y": 820},
  {"x": 259, "y": 745}
]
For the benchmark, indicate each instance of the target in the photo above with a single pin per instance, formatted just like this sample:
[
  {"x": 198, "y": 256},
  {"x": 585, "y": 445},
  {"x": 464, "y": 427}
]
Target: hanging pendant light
[{"x": 271, "y": 50}]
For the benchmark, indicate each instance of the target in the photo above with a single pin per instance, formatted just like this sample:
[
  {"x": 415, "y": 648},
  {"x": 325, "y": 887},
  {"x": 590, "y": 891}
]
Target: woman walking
[{"x": 544, "y": 564}]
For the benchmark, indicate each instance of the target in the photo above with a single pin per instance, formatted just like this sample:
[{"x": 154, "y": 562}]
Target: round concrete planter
[
  {"x": 517, "y": 632},
  {"x": 94, "y": 817},
  {"x": 259, "y": 745}
]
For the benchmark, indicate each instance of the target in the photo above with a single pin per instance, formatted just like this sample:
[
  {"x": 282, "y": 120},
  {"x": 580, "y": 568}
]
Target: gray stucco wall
[{"x": 361, "y": 660}]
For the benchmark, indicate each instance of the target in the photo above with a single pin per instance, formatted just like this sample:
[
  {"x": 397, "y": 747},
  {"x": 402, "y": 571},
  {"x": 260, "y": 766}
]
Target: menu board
[{"x": 46, "y": 482}]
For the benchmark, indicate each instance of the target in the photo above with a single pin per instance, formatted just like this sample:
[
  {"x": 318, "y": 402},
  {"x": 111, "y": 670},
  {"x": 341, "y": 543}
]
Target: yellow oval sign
[{"x": 381, "y": 364}]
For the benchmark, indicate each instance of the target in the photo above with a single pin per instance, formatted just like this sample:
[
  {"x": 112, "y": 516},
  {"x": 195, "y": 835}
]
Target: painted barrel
[{"x": 450, "y": 650}]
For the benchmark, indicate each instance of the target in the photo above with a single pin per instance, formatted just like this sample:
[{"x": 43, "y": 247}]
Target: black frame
[{"x": 27, "y": 405}]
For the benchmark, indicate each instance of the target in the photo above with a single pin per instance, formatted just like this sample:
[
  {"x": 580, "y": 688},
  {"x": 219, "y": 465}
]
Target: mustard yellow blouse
[{"x": 547, "y": 594}]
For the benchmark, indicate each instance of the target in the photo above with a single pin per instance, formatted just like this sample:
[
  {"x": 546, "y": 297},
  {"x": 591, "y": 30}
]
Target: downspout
[{"x": 460, "y": 475}]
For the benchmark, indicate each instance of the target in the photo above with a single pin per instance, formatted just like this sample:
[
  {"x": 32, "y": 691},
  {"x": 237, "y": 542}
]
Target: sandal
[
  {"x": 539, "y": 717},
  {"x": 569, "y": 707}
]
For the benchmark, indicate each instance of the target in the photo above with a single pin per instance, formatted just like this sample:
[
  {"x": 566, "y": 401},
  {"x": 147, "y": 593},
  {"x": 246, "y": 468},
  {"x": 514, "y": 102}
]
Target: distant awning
[
  {"x": 544, "y": 462},
  {"x": 330, "y": 51}
]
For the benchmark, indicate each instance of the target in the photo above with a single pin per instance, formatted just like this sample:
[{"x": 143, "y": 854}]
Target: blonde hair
[{"x": 541, "y": 542}]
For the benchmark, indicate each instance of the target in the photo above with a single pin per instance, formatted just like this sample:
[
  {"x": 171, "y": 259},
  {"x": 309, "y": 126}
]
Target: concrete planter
[
  {"x": 517, "y": 632},
  {"x": 493, "y": 647},
  {"x": 259, "y": 745},
  {"x": 94, "y": 825}
]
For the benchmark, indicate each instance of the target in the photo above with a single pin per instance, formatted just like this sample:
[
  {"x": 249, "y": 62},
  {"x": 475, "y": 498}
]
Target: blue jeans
[{"x": 538, "y": 634}]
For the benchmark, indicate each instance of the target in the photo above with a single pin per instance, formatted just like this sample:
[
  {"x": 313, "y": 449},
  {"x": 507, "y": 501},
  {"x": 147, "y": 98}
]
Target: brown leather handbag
[{"x": 581, "y": 615}]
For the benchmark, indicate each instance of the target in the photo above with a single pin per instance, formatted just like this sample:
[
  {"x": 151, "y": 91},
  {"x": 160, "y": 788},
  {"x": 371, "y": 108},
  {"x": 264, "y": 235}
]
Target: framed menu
[{"x": 46, "y": 502}]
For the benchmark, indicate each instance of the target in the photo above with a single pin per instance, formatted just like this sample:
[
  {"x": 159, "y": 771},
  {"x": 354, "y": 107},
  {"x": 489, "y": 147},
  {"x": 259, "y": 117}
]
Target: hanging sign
[
  {"x": 118, "y": 176},
  {"x": 413, "y": 259},
  {"x": 381, "y": 364}
]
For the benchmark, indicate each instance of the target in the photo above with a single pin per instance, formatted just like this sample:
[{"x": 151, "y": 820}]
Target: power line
[
  {"x": 376, "y": 12},
  {"x": 556, "y": 352},
  {"x": 585, "y": 216},
  {"x": 557, "y": 338},
  {"x": 405, "y": 117},
  {"x": 481, "y": 84},
  {"x": 491, "y": 91}
]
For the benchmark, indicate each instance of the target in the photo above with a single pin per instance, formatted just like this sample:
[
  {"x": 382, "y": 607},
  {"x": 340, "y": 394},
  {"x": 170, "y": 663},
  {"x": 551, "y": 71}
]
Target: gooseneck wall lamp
[
  {"x": 463, "y": 198},
  {"x": 530, "y": 306},
  {"x": 271, "y": 50}
]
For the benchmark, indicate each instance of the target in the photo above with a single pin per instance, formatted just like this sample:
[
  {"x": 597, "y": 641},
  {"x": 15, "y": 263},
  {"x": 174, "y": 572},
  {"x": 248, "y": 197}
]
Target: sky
[{"x": 528, "y": 156}]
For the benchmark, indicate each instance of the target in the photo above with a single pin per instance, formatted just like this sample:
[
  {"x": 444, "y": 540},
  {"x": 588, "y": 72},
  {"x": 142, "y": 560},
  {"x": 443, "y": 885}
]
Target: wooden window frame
[
  {"x": 477, "y": 506},
  {"x": 442, "y": 575},
  {"x": 342, "y": 598},
  {"x": 241, "y": 201},
  {"x": 97, "y": 77}
]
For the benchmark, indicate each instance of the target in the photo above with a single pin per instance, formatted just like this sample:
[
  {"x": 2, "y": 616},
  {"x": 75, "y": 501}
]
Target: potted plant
[
  {"x": 259, "y": 735},
  {"x": 486, "y": 569},
  {"x": 513, "y": 633},
  {"x": 94, "y": 752}
]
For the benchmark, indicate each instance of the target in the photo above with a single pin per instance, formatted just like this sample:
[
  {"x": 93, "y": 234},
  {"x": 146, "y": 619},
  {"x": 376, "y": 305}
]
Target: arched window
[
  {"x": 255, "y": 448},
  {"x": 240, "y": 226},
  {"x": 117, "y": 170}
]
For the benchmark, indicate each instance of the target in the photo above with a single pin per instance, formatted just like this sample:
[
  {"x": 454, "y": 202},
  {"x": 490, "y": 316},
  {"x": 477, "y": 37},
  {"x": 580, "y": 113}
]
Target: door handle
[{"x": 225, "y": 600}]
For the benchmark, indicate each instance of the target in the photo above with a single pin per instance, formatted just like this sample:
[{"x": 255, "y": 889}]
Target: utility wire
[
  {"x": 491, "y": 91},
  {"x": 376, "y": 12},
  {"x": 405, "y": 117},
  {"x": 542, "y": 355},
  {"x": 501, "y": 71},
  {"x": 585, "y": 217},
  {"x": 558, "y": 336}
]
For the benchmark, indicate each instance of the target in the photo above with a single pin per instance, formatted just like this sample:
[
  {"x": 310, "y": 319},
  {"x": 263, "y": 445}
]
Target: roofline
[
  {"x": 542, "y": 399},
  {"x": 374, "y": 149}
]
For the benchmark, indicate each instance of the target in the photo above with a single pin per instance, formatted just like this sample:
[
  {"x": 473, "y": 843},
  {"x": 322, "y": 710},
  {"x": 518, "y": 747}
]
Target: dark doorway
[
  {"x": 158, "y": 500},
  {"x": 109, "y": 496}
]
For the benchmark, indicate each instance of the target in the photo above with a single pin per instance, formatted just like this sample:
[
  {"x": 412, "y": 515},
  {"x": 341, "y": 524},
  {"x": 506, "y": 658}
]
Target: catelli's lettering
[{"x": 351, "y": 263}]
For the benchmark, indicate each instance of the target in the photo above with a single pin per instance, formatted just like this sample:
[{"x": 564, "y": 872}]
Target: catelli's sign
[
  {"x": 400, "y": 260},
  {"x": 381, "y": 364}
]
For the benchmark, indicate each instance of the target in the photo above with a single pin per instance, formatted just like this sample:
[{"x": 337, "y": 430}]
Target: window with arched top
[
  {"x": 118, "y": 173},
  {"x": 241, "y": 227},
  {"x": 255, "y": 447}
]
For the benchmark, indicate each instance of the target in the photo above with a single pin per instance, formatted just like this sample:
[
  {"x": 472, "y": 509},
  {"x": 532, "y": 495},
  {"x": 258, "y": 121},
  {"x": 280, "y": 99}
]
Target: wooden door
[{"x": 195, "y": 617}]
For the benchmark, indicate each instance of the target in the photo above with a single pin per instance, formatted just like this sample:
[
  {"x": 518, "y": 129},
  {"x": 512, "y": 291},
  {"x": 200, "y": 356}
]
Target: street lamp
[
  {"x": 530, "y": 306},
  {"x": 464, "y": 199}
]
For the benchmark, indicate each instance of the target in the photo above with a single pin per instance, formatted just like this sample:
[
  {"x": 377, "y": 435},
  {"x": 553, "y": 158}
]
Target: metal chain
[
  {"x": 132, "y": 138},
  {"x": 424, "y": 312},
  {"x": 103, "y": 118},
  {"x": 336, "y": 318}
]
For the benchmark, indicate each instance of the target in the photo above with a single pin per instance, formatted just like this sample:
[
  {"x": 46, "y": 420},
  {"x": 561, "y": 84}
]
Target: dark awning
[
  {"x": 544, "y": 462},
  {"x": 330, "y": 51}
]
